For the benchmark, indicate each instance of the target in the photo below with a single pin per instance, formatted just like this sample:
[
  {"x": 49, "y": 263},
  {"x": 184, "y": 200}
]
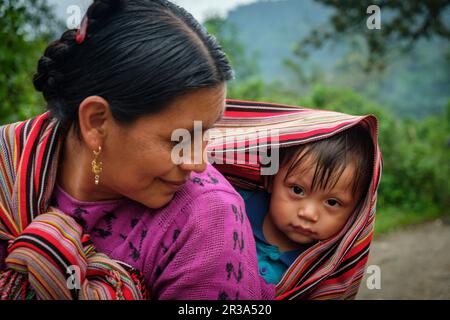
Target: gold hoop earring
[{"x": 97, "y": 165}]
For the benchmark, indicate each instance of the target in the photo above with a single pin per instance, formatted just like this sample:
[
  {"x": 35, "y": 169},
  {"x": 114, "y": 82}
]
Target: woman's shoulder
[
  {"x": 203, "y": 194},
  {"x": 210, "y": 182},
  {"x": 207, "y": 200}
]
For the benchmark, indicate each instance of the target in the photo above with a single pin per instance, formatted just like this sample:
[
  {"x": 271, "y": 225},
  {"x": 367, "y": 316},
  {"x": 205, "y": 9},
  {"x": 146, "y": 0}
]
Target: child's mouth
[{"x": 303, "y": 231}]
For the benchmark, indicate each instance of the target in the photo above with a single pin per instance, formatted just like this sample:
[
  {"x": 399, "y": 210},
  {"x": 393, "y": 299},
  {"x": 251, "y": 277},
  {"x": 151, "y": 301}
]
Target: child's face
[{"x": 298, "y": 214}]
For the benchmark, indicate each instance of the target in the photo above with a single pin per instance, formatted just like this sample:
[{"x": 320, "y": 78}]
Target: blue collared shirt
[{"x": 272, "y": 262}]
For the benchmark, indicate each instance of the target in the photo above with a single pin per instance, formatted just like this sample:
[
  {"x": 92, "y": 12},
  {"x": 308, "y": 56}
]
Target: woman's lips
[{"x": 174, "y": 184}]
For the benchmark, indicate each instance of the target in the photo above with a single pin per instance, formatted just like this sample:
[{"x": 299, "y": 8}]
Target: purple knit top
[{"x": 199, "y": 246}]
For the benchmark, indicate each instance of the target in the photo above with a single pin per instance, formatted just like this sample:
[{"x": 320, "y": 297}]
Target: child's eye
[
  {"x": 297, "y": 190},
  {"x": 333, "y": 203}
]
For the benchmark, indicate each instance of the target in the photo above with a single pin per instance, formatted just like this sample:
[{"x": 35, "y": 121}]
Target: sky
[{"x": 200, "y": 9}]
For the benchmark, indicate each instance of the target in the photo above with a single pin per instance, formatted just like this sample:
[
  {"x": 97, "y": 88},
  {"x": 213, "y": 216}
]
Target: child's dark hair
[
  {"x": 139, "y": 55},
  {"x": 332, "y": 156}
]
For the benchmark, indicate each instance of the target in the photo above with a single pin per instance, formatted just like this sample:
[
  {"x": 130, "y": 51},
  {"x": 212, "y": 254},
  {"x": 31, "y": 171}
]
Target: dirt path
[{"x": 414, "y": 263}]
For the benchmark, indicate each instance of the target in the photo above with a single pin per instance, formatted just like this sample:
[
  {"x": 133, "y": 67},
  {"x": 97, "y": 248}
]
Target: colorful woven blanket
[
  {"x": 331, "y": 269},
  {"x": 49, "y": 257}
]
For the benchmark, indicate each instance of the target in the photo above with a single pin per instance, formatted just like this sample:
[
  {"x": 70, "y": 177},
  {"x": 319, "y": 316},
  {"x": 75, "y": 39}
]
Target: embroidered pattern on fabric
[
  {"x": 238, "y": 215},
  {"x": 232, "y": 272},
  {"x": 106, "y": 232},
  {"x": 158, "y": 272},
  {"x": 78, "y": 216},
  {"x": 201, "y": 181},
  {"x": 134, "y": 222},
  {"x": 165, "y": 248},
  {"x": 212, "y": 179},
  {"x": 224, "y": 296},
  {"x": 102, "y": 233},
  {"x": 238, "y": 243},
  {"x": 136, "y": 251},
  {"x": 175, "y": 235}
]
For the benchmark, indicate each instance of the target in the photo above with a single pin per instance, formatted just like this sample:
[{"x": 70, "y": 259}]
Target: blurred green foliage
[
  {"x": 404, "y": 23},
  {"x": 245, "y": 65},
  {"x": 25, "y": 29}
]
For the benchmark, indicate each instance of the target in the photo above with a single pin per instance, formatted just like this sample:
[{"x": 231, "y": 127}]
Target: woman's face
[{"x": 137, "y": 160}]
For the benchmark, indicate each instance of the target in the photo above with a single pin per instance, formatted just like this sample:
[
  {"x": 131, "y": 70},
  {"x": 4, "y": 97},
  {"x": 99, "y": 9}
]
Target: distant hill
[
  {"x": 414, "y": 84},
  {"x": 271, "y": 28}
]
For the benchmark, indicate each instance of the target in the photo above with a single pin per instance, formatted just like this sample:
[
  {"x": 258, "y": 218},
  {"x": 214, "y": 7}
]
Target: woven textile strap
[{"x": 49, "y": 257}]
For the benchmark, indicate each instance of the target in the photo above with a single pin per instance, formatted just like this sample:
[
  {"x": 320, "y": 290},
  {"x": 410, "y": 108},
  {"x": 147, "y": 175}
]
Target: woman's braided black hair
[{"x": 139, "y": 55}]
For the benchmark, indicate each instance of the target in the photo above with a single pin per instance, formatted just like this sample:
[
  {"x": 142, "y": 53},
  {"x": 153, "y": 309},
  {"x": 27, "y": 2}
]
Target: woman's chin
[{"x": 158, "y": 201}]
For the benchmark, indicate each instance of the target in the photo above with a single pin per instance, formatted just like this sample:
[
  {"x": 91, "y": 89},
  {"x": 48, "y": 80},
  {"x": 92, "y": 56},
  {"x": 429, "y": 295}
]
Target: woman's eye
[
  {"x": 333, "y": 203},
  {"x": 297, "y": 190}
]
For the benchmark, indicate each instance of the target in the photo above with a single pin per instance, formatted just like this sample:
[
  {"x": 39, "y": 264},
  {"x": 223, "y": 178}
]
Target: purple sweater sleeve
[{"x": 215, "y": 256}]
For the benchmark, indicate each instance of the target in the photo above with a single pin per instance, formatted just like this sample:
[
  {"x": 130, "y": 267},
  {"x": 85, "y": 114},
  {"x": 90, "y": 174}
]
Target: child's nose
[{"x": 309, "y": 212}]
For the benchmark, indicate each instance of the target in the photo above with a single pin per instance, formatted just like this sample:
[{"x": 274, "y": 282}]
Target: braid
[
  {"x": 49, "y": 75},
  {"x": 152, "y": 50}
]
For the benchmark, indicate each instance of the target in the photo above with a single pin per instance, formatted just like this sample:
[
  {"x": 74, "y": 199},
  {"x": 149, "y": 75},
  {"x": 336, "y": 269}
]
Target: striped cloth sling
[
  {"x": 44, "y": 243},
  {"x": 331, "y": 269}
]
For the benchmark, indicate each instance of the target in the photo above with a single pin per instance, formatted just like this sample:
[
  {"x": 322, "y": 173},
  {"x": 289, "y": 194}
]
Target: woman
[{"x": 92, "y": 205}]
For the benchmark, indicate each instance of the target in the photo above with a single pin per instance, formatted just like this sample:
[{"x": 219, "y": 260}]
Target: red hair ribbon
[{"x": 81, "y": 33}]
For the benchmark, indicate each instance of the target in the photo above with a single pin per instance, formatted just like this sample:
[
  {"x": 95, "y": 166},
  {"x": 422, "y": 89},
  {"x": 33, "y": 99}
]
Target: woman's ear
[{"x": 94, "y": 116}]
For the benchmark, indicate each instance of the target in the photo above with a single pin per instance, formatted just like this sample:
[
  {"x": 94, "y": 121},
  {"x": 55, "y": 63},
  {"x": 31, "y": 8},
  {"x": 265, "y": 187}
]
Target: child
[
  {"x": 319, "y": 185},
  {"x": 313, "y": 218}
]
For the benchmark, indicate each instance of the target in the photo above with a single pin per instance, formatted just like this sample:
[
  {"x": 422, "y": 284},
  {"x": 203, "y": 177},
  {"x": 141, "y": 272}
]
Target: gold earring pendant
[{"x": 97, "y": 165}]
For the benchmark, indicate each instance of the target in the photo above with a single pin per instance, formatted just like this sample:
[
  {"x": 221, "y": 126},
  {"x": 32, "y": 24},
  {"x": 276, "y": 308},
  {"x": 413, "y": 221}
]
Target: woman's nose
[
  {"x": 198, "y": 168},
  {"x": 197, "y": 162},
  {"x": 309, "y": 212}
]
